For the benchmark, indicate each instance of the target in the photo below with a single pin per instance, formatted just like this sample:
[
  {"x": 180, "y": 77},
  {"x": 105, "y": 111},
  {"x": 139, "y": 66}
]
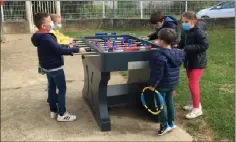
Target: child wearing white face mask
[{"x": 56, "y": 26}]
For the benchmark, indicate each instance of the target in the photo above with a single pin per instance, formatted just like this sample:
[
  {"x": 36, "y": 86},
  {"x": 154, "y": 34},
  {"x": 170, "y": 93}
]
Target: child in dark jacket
[
  {"x": 195, "y": 44},
  {"x": 159, "y": 21},
  {"x": 165, "y": 66},
  {"x": 51, "y": 62}
]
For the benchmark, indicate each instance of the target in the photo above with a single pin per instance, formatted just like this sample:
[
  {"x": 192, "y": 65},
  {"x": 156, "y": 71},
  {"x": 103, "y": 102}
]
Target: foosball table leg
[
  {"x": 102, "y": 115},
  {"x": 95, "y": 94}
]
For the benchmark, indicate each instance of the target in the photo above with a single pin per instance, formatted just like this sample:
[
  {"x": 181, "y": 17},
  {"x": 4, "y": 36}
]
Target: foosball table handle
[{"x": 86, "y": 53}]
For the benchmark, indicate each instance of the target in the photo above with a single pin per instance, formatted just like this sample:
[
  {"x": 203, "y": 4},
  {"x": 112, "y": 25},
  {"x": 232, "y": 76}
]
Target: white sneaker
[
  {"x": 194, "y": 113},
  {"x": 53, "y": 115},
  {"x": 190, "y": 107},
  {"x": 66, "y": 117}
]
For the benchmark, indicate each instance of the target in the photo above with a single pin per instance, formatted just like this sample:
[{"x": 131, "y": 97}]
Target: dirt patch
[
  {"x": 228, "y": 88},
  {"x": 198, "y": 128}
]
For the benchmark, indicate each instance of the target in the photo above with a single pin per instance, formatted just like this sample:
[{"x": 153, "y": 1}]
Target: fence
[
  {"x": 18, "y": 15},
  {"x": 16, "y": 10}
]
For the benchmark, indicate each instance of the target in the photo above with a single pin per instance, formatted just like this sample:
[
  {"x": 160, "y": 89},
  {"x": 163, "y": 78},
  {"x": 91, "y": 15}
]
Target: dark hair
[
  {"x": 157, "y": 17},
  {"x": 167, "y": 34},
  {"x": 39, "y": 19}
]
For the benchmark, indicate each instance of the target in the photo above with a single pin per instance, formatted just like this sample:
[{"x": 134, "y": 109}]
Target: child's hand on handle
[
  {"x": 82, "y": 50},
  {"x": 71, "y": 40},
  {"x": 71, "y": 45},
  {"x": 176, "y": 46},
  {"x": 152, "y": 88},
  {"x": 157, "y": 42}
]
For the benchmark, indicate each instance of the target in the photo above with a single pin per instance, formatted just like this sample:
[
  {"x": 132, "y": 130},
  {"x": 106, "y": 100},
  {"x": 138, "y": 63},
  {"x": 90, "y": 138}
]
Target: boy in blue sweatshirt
[
  {"x": 164, "y": 77},
  {"x": 51, "y": 62}
]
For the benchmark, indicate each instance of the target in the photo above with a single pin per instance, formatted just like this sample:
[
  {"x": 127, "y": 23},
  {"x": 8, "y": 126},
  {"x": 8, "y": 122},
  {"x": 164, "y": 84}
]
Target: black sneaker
[{"x": 164, "y": 129}]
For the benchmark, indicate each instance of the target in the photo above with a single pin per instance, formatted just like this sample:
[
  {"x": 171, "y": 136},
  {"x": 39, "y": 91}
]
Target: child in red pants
[{"x": 195, "y": 44}]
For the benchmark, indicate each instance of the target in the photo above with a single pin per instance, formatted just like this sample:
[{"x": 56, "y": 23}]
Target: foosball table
[{"x": 110, "y": 54}]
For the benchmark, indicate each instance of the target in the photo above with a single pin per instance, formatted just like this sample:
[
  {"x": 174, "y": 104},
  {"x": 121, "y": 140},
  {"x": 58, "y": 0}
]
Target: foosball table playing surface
[{"x": 111, "y": 54}]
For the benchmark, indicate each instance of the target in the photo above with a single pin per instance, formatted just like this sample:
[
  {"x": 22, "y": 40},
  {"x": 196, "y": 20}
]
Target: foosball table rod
[{"x": 86, "y": 53}]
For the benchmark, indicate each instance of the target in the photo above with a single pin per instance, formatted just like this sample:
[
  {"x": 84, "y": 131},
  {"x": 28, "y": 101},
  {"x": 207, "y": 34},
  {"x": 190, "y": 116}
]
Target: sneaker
[
  {"x": 164, "y": 129},
  {"x": 194, "y": 113},
  {"x": 53, "y": 115},
  {"x": 190, "y": 107},
  {"x": 66, "y": 117},
  {"x": 173, "y": 126}
]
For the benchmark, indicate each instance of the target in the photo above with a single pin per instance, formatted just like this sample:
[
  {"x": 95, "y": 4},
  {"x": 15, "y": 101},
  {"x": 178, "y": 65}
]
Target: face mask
[
  {"x": 186, "y": 26},
  {"x": 59, "y": 26},
  {"x": 52, "y": 26}
]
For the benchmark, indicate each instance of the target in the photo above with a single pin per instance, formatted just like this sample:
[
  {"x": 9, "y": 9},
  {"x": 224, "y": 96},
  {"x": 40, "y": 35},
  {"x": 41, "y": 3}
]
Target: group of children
[{"x": 165, "y": 64}]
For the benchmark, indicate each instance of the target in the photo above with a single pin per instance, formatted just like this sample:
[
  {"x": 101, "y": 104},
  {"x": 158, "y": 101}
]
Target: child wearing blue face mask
[
  {"x": 195, "y": 44},
  {"x": 63, "y": 40},
  {"x": 56, "y": 26},
  {"x": 51, "y": 63}
]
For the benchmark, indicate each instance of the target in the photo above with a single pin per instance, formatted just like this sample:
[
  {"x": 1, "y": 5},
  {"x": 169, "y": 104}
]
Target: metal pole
[
  {"x": 58, "y": 7},
  {"x": 113, "y": 8},
  {"x": 186, "y": 6},
  {"x": 1, "y": 24},
  {"x": 141, "y": 9},
  {"x": 86, "y": 53},
  {"x": 29, "y": 15},
  {"x": 2, "y": 14},
  {"x": 103, "y": 9}
]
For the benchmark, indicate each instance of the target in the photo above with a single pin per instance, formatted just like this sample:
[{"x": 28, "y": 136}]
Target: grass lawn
[{"x": 217, "y": 84}]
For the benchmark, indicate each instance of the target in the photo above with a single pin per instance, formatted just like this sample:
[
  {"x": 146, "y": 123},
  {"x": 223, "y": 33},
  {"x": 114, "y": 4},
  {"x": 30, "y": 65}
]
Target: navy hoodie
[
  {"x": 165, "y": 66},
  {"x": 49, "y": 51}
]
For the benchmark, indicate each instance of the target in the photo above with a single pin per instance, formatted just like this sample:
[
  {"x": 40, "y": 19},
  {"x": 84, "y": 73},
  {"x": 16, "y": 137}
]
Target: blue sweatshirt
[
  {"x": 165, "y": 66},
  {"x": 49, "y": 51}
]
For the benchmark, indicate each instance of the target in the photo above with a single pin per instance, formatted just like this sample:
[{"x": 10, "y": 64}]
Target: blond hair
[{"x": 54, "y": 17}]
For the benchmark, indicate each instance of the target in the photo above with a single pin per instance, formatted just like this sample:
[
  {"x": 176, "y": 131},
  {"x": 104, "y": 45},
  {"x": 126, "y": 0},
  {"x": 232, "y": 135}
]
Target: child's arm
[
  {"x": 202, "y": 43},
  {"x": 152, "y": 36},
  {"x": 157, "y": 71},
  {"x": 181, "y": 43},
  {"x": 50, "y": 43}
]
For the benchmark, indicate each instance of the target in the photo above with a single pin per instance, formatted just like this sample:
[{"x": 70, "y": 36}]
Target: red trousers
[{"x": 194, "y": 77}]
